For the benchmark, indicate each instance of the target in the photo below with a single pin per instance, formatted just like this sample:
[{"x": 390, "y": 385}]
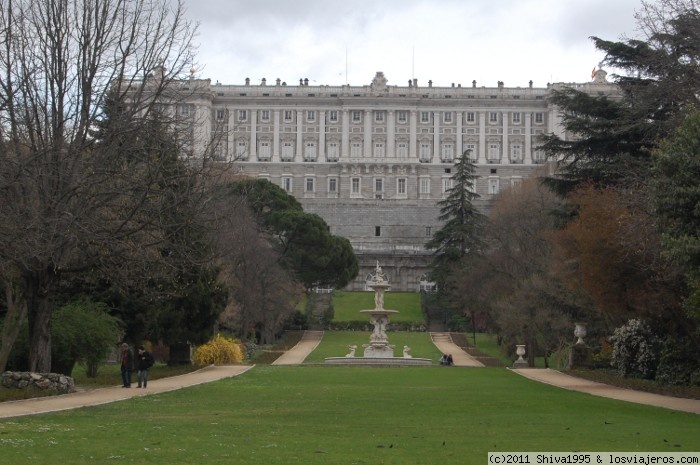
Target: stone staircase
[{"x": 321, "y": 304}]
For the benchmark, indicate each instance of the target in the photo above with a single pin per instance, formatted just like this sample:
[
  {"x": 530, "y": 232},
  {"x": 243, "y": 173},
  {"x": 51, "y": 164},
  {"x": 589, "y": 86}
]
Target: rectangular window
[
  {"x": 310, "y": 116},
  {"x": 378, "y": 116},
  {"x": 220, "y": 115},
  {"x": 333, "y": 185},
  {"x": 242, "y": 115},
  {"x": 356, "y": 149},
  {"x": 493, "y": 117},
  {"x": 287, "y": 151},
  {"x": 333, "y": 116},
  {"x": 447, "y": 152},
  {"x": 402, "y": 150},
  {"x": 401, "y": 116},
  {"x": 516, "y": 152},
  {"x": 428, "y": 231},
  {"x": 310, "y": 151},
  {"x": 494, "y": 153},
  {"x": 379, "y": 149},
  {"x": 425, "y": 186},
  {"x": 309, "y": 184},
  {"x": 265, "y": 115},
  {"x": 241, "y": 149},
  {"x": 515, "y": 183},
  {"x": 378, "y": 185},
  {"x": 264, "y": 150},
  {"x": 471, "y": 148},
  {"x": 401, "y": 187},
  {"x": 356, "y": 116},
  {"x": 493, "y": 186},
  {"x": 471, "y": 117},
  {"x": 333, "y": 151},
  {"x": 446, "y": 185},
  {"x": 516, "y": 118},
  {"x": 377, "y": 231},
  {"x": 287, "y": 184},
  {"x": 447, "y": 117},
  {"x": 184, "y": 110},
  {"x": 425, "y": 151},
  {"x": 539, "y": 118},
  {"x": 424, "y": 116},
  {"x": 539, "y": 156},
  {"x": 355, "y": 187},
  {"x": 288, "y": 116}
]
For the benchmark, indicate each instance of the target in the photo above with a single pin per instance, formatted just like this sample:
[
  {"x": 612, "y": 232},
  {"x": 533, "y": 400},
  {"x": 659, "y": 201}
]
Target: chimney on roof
[{"x": 247, "y": 81}]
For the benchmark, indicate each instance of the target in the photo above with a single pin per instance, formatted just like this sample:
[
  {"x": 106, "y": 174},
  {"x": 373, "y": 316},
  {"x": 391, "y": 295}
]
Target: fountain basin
[{"x": 378, "y": 361}]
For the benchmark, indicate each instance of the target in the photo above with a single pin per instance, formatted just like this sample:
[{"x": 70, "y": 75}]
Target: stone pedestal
[
  {"x": 580, "y": 357},
  {"x": 378, "y": 350}
]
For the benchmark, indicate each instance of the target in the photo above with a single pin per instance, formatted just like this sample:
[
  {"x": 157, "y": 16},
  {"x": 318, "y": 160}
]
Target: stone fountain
[{"x": 378, "y": 351}]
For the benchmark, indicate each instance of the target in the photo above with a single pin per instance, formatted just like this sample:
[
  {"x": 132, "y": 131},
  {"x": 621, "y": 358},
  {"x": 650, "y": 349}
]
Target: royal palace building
[{"x": 374, "y": 160}]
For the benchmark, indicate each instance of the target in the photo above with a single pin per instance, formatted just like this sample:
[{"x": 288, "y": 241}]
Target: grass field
[
  {"x": 346, "y": 306},
  {"x": 346, "y": 415}
]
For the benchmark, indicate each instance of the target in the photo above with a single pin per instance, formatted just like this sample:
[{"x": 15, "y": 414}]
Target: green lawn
[
  {"x": 346, "y": 415},
  {"x": 346, "y": 306}
]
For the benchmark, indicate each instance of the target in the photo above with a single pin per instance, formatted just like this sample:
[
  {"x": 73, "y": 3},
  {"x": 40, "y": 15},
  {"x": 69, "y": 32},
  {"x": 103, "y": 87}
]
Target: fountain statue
[
  {"x": 378, "y": 351},
  {"x": 379, "y": 317}
]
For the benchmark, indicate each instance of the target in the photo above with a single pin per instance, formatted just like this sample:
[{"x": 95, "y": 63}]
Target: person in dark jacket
[
  {"x": 127, "y": 362},
  {"x": 144, "y": 361}
]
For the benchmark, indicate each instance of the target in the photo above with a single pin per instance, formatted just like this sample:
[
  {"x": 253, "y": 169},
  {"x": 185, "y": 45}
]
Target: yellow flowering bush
[{"x": 219, "y": 351}]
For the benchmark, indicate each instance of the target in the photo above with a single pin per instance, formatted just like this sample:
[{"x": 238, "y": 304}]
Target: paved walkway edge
[
  {"x": 297, "y": 354},
  {"x": 107, "y": 395},
  {"x": 572, "y": 383}
]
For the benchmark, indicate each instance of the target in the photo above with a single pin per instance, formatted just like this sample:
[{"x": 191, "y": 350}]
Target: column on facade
[
  {"x": 299, "y": 154},
  {"x": 505, "y": 157},
  {"x": 391, "y": 134},
  {"x": 230, "y": 140},
  {"x": 321, "y": 136},
  {"x": 459, "y": 138},
  {"x": 436, "y": 136},
  {"x": 253, "y": 134},
  {"x": 345, "y": 135},
  {"x": 367, "y": 149},
  {"x": 528, "y": 139},
  {"x": 202, "y": 131},
  {"x": 276, "y": 136},
  {"x": 413, "y": 136},
  {"x": 482, "y": 137}
]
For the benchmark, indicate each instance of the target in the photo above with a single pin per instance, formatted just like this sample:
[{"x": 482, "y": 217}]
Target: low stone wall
[{"x": 38, "y": 381}]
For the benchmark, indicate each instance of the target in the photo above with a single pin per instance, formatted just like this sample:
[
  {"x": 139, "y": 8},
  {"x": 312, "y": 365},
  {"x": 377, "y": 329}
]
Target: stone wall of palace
[{"x": 374, "y": 160}]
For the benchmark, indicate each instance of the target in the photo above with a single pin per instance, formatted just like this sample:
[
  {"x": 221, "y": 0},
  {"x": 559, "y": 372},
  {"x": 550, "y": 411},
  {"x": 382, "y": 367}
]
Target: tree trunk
[
  {"x": 14, "y": 318},
  {"x": 39, "y": 312}
]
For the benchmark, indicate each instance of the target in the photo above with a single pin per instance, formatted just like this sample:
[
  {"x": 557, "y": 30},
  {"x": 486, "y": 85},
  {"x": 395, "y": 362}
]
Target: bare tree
[
  {"x": 68, "y": 202},
  {"x": 262, "y": 293}
]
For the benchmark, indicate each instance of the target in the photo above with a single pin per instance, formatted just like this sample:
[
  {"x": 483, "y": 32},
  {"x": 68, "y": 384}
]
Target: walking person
[
  {"x": 144, "y": 361},
  {"x": 127, "y": 364}
]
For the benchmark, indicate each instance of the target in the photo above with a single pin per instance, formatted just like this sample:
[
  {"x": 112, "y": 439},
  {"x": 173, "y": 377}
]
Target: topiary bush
[
  {"x": 635, "y": 349},
  {"x": 219, "y": 351}
]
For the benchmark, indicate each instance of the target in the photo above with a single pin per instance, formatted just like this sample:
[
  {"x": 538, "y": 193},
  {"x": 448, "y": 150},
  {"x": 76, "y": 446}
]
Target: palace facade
[{"x": 374, "y": 160}]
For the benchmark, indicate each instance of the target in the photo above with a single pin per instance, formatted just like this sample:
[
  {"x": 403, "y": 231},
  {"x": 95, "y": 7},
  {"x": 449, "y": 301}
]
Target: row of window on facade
[
  {"x": 379, "y": 188},
  {"x": 494, "y": 151},
  {"x": 357, "y": 116}
]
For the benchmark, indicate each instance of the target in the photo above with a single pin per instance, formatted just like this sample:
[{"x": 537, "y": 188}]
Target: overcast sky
[{"x": 446, "y": 41}]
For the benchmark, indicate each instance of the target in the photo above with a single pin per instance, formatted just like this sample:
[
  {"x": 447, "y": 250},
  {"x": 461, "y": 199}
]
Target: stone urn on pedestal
[
  {"x": 580, "y": 355},
  {"x": 520, "y": 362}
]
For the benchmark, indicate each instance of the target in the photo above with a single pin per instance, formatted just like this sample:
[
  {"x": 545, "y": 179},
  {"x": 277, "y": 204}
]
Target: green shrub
[
  {"x": 82, "y": 331},
  {"x": 678, "y": 365}
]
